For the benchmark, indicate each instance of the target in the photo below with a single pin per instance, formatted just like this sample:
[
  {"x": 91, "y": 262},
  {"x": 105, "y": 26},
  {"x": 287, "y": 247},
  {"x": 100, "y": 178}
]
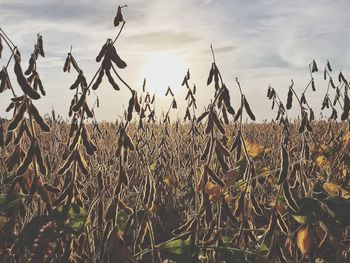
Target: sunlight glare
[{"x": 163, "y": 69}]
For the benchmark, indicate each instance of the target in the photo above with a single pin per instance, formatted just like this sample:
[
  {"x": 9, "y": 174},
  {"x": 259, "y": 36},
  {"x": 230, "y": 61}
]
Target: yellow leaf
[
  {"x": 322, "y": 162},
  {"x": 304, "y": 241},
  {"x": 335, "y": 190},
  {"x": 254, "y": 149},
  {"x": 213, "y": 190}
]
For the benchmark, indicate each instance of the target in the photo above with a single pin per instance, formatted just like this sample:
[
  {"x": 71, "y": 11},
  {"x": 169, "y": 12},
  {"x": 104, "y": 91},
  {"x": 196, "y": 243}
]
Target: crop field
[{"x": 211, "y": 186}]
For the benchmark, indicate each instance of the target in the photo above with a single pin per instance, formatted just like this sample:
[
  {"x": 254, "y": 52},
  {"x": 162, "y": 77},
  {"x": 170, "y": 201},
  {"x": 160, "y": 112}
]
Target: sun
[{"x": 163, "y": 69}]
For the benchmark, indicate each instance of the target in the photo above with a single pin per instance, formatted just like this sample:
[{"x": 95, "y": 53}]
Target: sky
[{"x": 262, "y": 43}]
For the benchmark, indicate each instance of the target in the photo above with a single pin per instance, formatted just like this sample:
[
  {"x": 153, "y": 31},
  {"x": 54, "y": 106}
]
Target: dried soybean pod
[
  {"x": 130, "y": 108},
  {"x": 214, "y": 177},
  {"x": 116, "y": 58},
  {"x": 314, "y": 66},
  {"x": 289, "y": 99},
  {"x": 228, "y": 212},
  {"x": 87, "y": 110},
  {"x": 202, "y": 116},
  {"x": 303, "y": 123},
  {"x": 1, "y": 46},
  {"x": 80, "y": 102},
  {"x": 68, "y": 163},
  {"x": 346, "y": 107},
  {"x": 221, "y": 160},
  {"x": 82, "y": 163},
  {"x": 292, "y": 204},
  {"x": 313, "y": 85},
  {"x": 211, "y": 74},
  {"x": 39, "y": 160},
  {"x": 77, "y": 81},
  {"x": 119, "y": 17},
  {"x": 210, "y": 124},
  {"x": 41, "y": 87},
  {"x": 101, "y": 53},
  {"x": 2, "y": 137},
  {"x": 238, "y": 115},
  {"x": 205, "y": 153},
  {"x": 128, "y": 142},
  {"x": 28, "y": 158},
  {"x": 255, "y": 205},
  {"x": 100, "y": 181},
  {"x": 329, "y": 66},
  {"x": 284, "y": 165},
  {"x": 240, "y": 207},
  {"x": 222, "y": 149},
  {"x": 248, "y": 110},
  {"x": 22, "y": 81},
  {"x": 111, "y": 80},
  {"x": 41, "y": 46},
  {"x": 31, "y": 66},
  {"x": 39, "y": 120},
  {"x": 66, "y": 66},
  {"x": 18, "y": 118},
  {"x": 137, "y": 104},
  {"x": 147, "y": 190},
  {"x": 86, "y": 142},
  {"x": 100, "y": 213},
  {"x": 218, "y": 123}
]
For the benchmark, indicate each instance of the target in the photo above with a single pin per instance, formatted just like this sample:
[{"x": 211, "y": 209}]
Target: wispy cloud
[{"x": 261, "y": 42}]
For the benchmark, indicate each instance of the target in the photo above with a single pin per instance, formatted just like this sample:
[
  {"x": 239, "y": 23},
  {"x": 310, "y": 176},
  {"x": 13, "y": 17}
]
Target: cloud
[{"x": 261, "y": 42}]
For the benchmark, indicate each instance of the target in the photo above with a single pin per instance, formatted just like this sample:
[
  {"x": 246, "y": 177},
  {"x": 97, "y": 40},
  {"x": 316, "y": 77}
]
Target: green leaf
[
  {"x": 180, "y": 251},
  {"x": 10, "y": 200}
]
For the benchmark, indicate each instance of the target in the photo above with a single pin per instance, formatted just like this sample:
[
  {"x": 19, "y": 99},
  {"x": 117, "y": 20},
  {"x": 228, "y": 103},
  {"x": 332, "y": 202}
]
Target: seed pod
[
  {"x": 21, "y": 132},
  {"x": 111, "y": 80},
  {"x": 202, "y": 116},
  {"x": 205, "y": 153},
  {"x": 128, "y": 144},
  {"x": 28, "y": 158},
  {"x": 130, "y": 108},
  {"x": 284, "y": 166},
  {"x": 303, "y": 123},
  {"x": 18, "y": 118},
  {"x": 214, "y": 177},
  {"x": 82, "y": 163},
  {"x": 314, "y": 66},
  {"x": 41, "y": 87},
  {"x": 89, "y": 147},
  {"x": 247, "y": 108},
  {"x": 2, "y": 138},
  {"x": 1, "y": 46},
  {"x": 218, "y": 123},
  {"x": 255, "y": 205},
  {"x": 292, "y": 204},
  {"x": 147, "y": 190},
  {"x": 226, "y": 209},
  {"x": 78, "y": 80},
  {"x": 222, "y": 149},
  {"x": 39, "y": 120},
  {"x": 119, "y": 17},
  {"x": 313, "y": 85},
  {"x": 40, "y": 45},
  {"x": 240, "y": 206},
  {"x": 87, "y": 110},
  {"x": 68, "y": 162},
  {"x": 221, "y": 160},
  {"x": 210, "y": 124},
  {"x": 332, "y": 83},
  {"x": 39, "y": 160},
  {"x": 224, "y": 116},
  {"x": 238, "y": 115},
  {"x": 329, "y": 66},
  {"x": 81, "y": 101},
  {"x": 22, "y": 81},
  {"x": 289, "y": 99},
  {"x": 346, "y": 107},
  {"x": 211, "y": 74},
  {"x": 67, "y": 63},
  {"x": 31, "y": 66}
]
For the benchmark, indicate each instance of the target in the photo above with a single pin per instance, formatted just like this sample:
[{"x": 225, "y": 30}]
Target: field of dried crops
[{"x": 207, "y": 188}]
